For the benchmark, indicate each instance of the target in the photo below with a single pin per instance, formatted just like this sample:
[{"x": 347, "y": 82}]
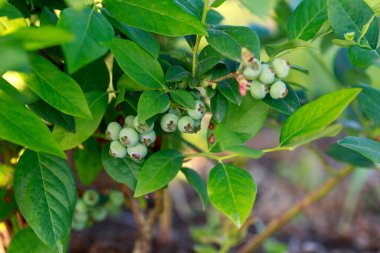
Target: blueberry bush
[{"x": 102, "y": 84}]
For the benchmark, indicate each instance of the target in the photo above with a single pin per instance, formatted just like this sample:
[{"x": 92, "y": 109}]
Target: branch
[
  {"x": 279, "y": 222},
  {"x": 137, "y": 213}
]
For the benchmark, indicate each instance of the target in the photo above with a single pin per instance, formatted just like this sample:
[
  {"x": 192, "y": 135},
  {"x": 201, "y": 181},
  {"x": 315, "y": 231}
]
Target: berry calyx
[
  {"x": 267, "y": 74},
  {"x": 281, "y": 67},
  {"x": 129, "y": 121},
  {"x": 112, "y": 131},
  {"x": 137, "y": 152},
  {"x": 278, "y": 90},
  {"x": 199, "y": 111},
  {"x": 148, "y": 138},
  {"x": 186, "y": 124},
  {"x": 169, "y": 122},
  {"x": 143, "y": 126},
  {"x": 91, "y": 197},
  {"x": 117, "y": 150},
  {"x": 258, "y": 90},
  {"x": 252, "y": 69},
  {"x": 128, "y": 137}
]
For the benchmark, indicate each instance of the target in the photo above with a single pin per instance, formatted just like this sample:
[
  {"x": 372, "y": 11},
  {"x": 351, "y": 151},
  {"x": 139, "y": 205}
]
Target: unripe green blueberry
[
  {"x": 169, "y": 122},
  {"x": 112, "y": 131},
  {"x": 258, "y": 90},
  {"x": 80, "y": 206},
  {"x": 99, "y": 213},
  {"x": 197, "y": 125},
  {"x": 267, "y": 74},
  {"x": 281, "y": 67},
  {"x": 278, "y": 90},
  {"x": 199, "y": 111},
  {"x": 91, "y": 197},
  {"x": 76, "y": 225},
  {"x": 148, "y": 138},
  {"x": 80, "y": 217},
  {"x": 166, "y": 108},
  {"x": 129, "y": 121},
  {"x": 143, "y": 126},
  {"x": 252, "y": 69},
  {"x": 117, "y": 149},
  {"x": 116, "y": 198},
  {"x": 128, "y": 137},
  {"x": 137, "y": 152},
  {"x": 186, "y": 124}
]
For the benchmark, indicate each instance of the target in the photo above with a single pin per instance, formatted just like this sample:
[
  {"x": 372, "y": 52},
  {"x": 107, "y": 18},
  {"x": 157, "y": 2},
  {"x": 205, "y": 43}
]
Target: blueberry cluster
[
  {"x": 132, "y": 139},
  {"x": 94, "y": 207},
  {"x": 263, "y": 78},
  {"x": 190, "y": 122}
]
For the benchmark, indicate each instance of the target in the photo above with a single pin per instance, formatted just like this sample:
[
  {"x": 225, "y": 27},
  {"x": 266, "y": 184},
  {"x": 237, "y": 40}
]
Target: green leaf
[
  {"x": 207, "y": 59},
  {"x": 46, "y": 194},
  {"x": 375, "y": 6},
  {"x": 259, "y": 8},
  {"x": 316, "y": 115},
  {"x": 93, "y": 34},
  {"x": 11, "y": 18},
  {"x": 88, "y": 162},
  {"x": 348, "y": 16},
  {"x": 140, "y": 66},
  {"x": 232, "y": 191},
  {"x": 176, "y": 73},
  {"x": 347, "y": 155},
  {"x": 12, "y": 56},
  {"x": 26, "y": 240},
  {"x": 230, "y": 90},
  {"x": 307, "y": 19},
  {"x": 363, "y": 58},
  {"x": 163, "y": 17},
  {"x": 368, "y": 100},
  {"x": 37, "y": 38},
  {"x": 246, "y": 120},
  {"x": 196, "y": 181},
  {"x": 287, "y": 105},
  {"x": 183, "y": 98},
  {"x": 367, "y": 147},
  {"x": 93, "y": 77},
  {"x": 229, "y": 40},
  {"x": 13, "y": 92},
  {"x": 142, "y": 38},
  {"x": 21, "y": 126},
  {"x": 52, "y": 115},
  {"x": 151, "y": 103},
  {"x": 158, "y": 170},
  {"x": 277, "y": 50},
  {"x": 56, "y": 88},
  {"x": 124, "y": 171},
  {"x": 84, "y": 128},
  {"x": 219, "y": 105}
]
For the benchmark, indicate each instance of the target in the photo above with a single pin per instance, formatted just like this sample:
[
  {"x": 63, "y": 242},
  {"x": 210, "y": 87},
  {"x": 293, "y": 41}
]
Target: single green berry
[
  {"x": 169, "y": 122},
  {"x": 116, "y": 198},
  {"x": 129, "y": 121},
  {"x": 166, "y": 108},
  {"x": 199, "y": 111},
  {"x": 186, "y": 124},
  {"x": 99, "y": 213},
  {"x": 76, "y": 225},
  {"x": 267, "y": 74},
  {"x": 80, "y": 206},
  {"x": 252, "y": 69},
  {"x": 91, "y": 197},
  {"x": 128, "y": 137},
  {"x": 258, "y": 90},
  {"x": 112, "y": 131},
  {"x": 80, "y": 217},
  {"x": 148, "y": 138},
  {"x": 117, "y": 150},
  {"x": 142, "y": 127},
  {"x": 281, "y": 67},
  {"x": 278, "y": 90},
  {"x": 197, "y": 125},
  {"x": 137, "y": 152}
]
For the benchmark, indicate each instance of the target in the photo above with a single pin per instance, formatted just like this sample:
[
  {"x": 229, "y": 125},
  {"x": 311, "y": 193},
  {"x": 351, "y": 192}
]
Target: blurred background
[{"x": 347, "y": 220}]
